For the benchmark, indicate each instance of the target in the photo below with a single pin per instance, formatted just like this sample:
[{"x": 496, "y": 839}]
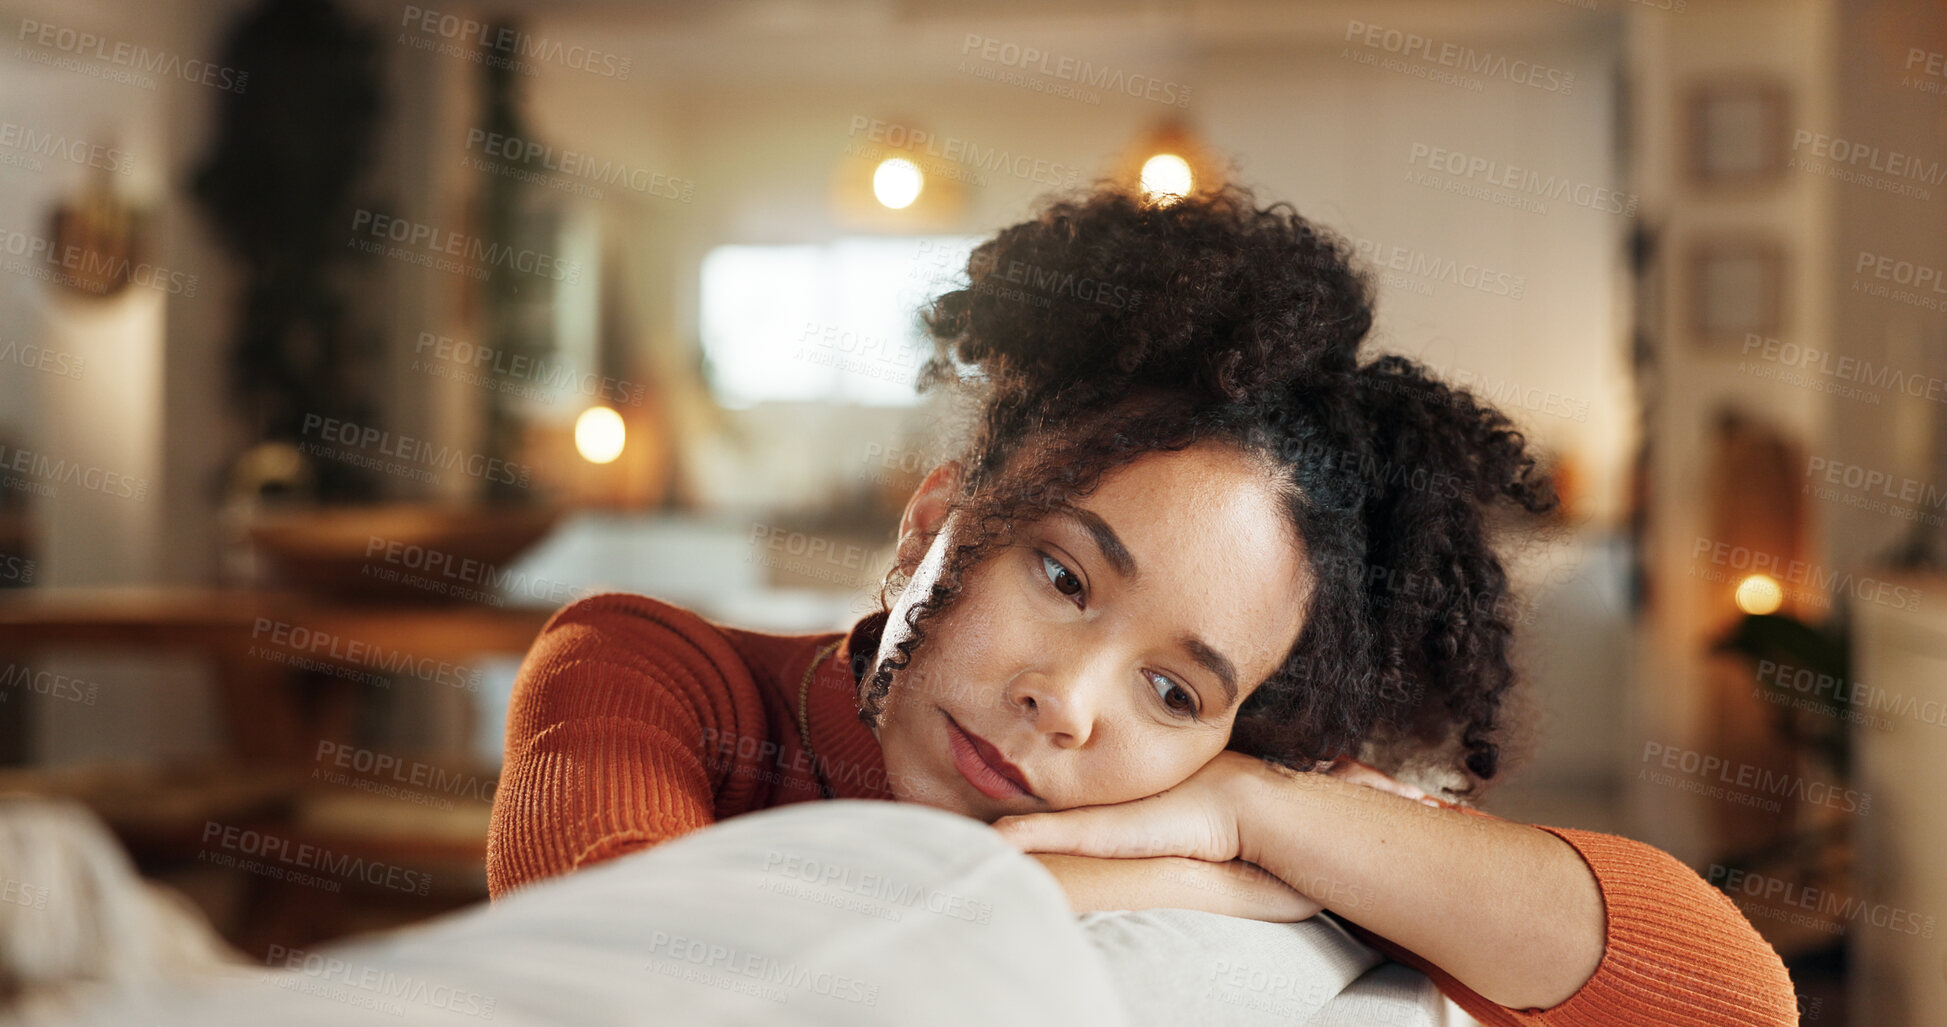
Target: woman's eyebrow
[
  {"x": 1118, "y": 557},
  {"x": 1105, "y": 539},
  {"x": 1216, "y": 663}
]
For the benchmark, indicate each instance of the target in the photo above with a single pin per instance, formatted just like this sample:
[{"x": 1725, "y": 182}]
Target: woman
[{"x": 1194, "y": 553}]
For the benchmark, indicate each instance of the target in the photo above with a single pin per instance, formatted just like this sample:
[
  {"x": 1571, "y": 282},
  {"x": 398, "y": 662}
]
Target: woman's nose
[{"x": 1063, "y": 706}]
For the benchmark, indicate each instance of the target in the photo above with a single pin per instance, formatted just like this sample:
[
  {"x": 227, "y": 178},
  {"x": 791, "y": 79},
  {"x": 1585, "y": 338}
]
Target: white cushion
[
  {"x": 843, "y": 912},
  {"x": 1185, "y": 966},
  {"x": 840, "y": 912}
]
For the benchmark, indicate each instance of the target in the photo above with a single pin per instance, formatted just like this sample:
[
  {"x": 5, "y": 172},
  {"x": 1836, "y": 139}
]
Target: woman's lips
[{"x": 983, "y": 765}]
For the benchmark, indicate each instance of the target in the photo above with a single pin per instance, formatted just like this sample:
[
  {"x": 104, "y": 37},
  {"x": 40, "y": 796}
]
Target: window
[{"x": 837, "y": 322}]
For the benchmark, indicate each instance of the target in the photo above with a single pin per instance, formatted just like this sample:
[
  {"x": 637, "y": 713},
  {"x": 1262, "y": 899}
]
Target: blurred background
[{"x": 342, "y": 342}]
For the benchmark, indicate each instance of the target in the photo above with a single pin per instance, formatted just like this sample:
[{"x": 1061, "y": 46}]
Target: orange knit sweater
[{"x": 635, "y": 721}]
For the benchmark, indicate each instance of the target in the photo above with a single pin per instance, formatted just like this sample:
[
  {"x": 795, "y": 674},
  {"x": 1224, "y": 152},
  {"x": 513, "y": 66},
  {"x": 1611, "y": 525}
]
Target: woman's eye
[
  {"x": 1184, "y": 705},
  {"x": 1177, "y": 699},
  {"x": 1061, "y": 577}
]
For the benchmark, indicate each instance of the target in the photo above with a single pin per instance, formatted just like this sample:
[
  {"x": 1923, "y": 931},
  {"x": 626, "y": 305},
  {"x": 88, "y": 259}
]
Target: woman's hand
[
  {"x": 1352, "y": 770},
  {"x": 1197, "y": 818},
  {"x": 1235, "y": 888}
]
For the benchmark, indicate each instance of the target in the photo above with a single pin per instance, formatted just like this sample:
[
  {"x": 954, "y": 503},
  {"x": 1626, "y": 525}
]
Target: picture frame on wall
[
  {"x": 1735, "y": 288},
  {"x": 1737, "y": 133}
]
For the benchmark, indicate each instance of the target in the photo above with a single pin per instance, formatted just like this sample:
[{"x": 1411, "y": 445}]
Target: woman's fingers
[
  {"x": 1197, "y": 819},
  {"x": 1086, "y": 831},
  {"x": 1124, "y": 830},
  {"x": 1360, "y": 773}
]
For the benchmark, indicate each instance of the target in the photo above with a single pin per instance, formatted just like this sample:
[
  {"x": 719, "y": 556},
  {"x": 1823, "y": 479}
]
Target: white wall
[
  {"x": 150, "y": 373},
  {"x": 1307, "y": 125}
]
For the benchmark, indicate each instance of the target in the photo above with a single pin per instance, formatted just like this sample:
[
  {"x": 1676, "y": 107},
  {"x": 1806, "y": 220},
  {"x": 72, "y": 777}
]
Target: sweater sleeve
[
  {"x": 608, "y": 734},
  {"x": 1676, "y": 952}
]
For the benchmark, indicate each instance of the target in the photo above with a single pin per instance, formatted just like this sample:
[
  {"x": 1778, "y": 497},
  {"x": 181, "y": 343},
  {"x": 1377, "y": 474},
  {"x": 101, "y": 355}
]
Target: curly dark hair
[{"x": 1110, "y": 326}]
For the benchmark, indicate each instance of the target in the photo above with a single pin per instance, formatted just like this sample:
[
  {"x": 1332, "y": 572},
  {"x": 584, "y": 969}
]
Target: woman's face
[{"x": 1104, "y": 654}]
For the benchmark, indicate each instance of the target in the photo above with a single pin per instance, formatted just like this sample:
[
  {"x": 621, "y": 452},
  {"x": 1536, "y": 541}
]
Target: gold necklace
[{"x": 804, "y": 718}]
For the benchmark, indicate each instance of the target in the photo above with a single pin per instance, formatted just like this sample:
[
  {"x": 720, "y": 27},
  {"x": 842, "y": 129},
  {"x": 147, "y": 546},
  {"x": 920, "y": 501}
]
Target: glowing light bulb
[
  {"x": 897, "y": 182},
  {"x": 1166, "y": 178},
  {"x": 599, "y": 435},
  {"x": 1760, "y": 593}
]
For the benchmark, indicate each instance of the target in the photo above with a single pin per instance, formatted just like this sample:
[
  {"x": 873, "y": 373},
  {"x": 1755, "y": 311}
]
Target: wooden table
[{"x": 260, "y": 644}]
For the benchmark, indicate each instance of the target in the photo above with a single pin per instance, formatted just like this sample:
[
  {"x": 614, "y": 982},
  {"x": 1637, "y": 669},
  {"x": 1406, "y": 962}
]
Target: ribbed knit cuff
[{"x": 1677, "y": 952}]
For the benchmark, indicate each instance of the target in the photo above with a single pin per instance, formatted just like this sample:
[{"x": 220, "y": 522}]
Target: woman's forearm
[
  {"x": 1510, "y": 911},
  {"x": 1176, "y": 882}
]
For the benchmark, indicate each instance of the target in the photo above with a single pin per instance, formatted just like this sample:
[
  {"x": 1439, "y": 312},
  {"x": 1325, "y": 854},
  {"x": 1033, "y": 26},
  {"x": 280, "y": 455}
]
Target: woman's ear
[{"x": 925, "y": 512}]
